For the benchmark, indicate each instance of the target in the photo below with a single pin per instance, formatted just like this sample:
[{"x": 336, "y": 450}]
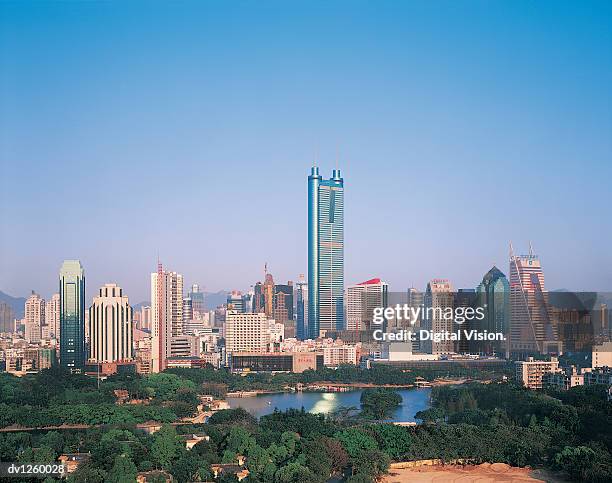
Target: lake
[{"x": 413, "y": 401}]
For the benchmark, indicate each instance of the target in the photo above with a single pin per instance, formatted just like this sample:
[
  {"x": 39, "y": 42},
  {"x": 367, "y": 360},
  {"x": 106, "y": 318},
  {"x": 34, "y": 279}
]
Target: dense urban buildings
[
  {"x": 72, "y": 315},
  {"x": 110, "y": 326},
  {"x": 325, "y": 253}
]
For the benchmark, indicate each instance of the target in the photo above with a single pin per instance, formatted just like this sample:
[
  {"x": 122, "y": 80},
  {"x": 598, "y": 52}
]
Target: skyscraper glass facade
[
  {"x": 325, "y": 253},
  {"x": 72, "y": 315},
  {"x": 494, "y": 297}
]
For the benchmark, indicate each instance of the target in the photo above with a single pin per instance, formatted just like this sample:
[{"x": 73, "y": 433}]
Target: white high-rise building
[
  {"x": 166, "y": 314},
  {"x": 145, "y": 317},
  {"x": 246, "y": 332},
  {"x": 439, "y": 304},
  {"x": 52, "y": 316},
  {"x": 34, "y": 317},
  {"x": 361, "y": 300},
  {"x": 110, "y": 326}
]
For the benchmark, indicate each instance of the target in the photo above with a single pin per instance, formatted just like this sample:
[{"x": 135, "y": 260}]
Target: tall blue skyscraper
[
  {"x": 72, "y": 315},
  {"x": 325, "y": 253}
]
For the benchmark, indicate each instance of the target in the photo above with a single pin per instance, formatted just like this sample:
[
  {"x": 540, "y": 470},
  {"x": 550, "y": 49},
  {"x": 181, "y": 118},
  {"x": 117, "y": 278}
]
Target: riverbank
[{"x": 330, "y": 386}]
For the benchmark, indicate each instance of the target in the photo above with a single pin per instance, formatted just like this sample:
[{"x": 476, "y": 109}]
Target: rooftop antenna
[
  {"x": 511, "y": 250},
  {"x": 530, "y": 249},
  {"x": 337, "y": 155}
]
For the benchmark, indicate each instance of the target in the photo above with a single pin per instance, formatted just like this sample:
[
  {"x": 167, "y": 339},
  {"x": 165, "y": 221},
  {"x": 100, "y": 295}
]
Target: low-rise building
[
  {"x": 602, "y": 355},
  {"x": 335, "y": 355},
  {"x": 601, "y": 375},
  {"x": 563, "y": 379},
  {"x": 276, "y": 361},
  {"x": 530, "y": 372}
]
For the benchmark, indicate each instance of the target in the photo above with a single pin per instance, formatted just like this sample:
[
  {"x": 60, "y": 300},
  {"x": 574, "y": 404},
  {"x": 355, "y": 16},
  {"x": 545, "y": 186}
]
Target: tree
[
  {"x": 293, "y": 473},
  {"x": 317, "y": 459},
  {"x": 87, "y": 474},
  {"x": 379, "y": 403},
  {"x": 186, "y": 467},
  {"x": 393, "y": 440},
  {"x": 239, "y": 440},
  {"x": 431, "y": 415},
  {"x": 371, "y": 462},
  {"x": 123, "y": 471},
  {"x": 54, "y": 440},
  {"x": 355, "y": 440},
  {"x": 164, "y": 447},
  {"x": 336, "y": 452},
  {"x": 232, "y": 416},
  {"x": 576, "y": 461}
]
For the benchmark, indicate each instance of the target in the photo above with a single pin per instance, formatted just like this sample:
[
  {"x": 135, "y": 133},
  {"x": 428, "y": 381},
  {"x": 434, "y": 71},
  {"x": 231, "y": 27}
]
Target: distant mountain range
[
  {"x": 211, "y": 300},
  {"x": 16, "y": 303}
]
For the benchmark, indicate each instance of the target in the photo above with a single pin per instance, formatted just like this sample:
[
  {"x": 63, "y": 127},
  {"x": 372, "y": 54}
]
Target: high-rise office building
[
  {"x": 282, "y": 306},
  {"x": 52, "y": 316},
  {"x": 301, "y": 308},
  {"x": 110, "y": 326},
  {"x": 361, "y": 300},
  {"x": 415, "y": 300},
  {"x": 72, "y": 315},
  {"x": 494, "y": 297},
  {"x": 34, "y": 317},
  {"x": 268, "y": 294},
  {"x": 7, "y": 318},
  {"x": 438, "y": 299},
  {"x": 166, "y": 314},
  {"x": 325, "y": 253},
  {"x": 530, "y": 323},
  {"x": 258, "y": 298},
  {"x": 467, "y": 298}
]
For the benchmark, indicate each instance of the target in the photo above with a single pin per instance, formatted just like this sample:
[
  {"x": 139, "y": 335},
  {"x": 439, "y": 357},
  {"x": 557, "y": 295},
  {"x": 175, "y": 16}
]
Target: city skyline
[{"x": 451, "y": 145}]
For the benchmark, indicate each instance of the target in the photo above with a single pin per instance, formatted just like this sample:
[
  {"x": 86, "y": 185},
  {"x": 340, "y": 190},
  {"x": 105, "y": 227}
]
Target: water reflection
[{"x": 413, "y": 400}]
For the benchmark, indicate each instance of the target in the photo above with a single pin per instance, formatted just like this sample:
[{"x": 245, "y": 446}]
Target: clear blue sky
[{"x": 187, "y": 129}]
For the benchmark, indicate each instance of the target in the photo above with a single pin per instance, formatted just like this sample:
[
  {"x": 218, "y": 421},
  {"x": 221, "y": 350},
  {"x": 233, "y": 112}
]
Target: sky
[{"x": 186, "y": 131}]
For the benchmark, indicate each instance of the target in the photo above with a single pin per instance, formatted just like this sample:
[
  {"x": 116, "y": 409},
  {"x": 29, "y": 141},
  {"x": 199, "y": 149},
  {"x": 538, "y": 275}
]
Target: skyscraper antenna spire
[
  {"x": 337, "y": 155},
  {"x": 511, "y": 250},
  {"x": 530, "y": 249}
]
